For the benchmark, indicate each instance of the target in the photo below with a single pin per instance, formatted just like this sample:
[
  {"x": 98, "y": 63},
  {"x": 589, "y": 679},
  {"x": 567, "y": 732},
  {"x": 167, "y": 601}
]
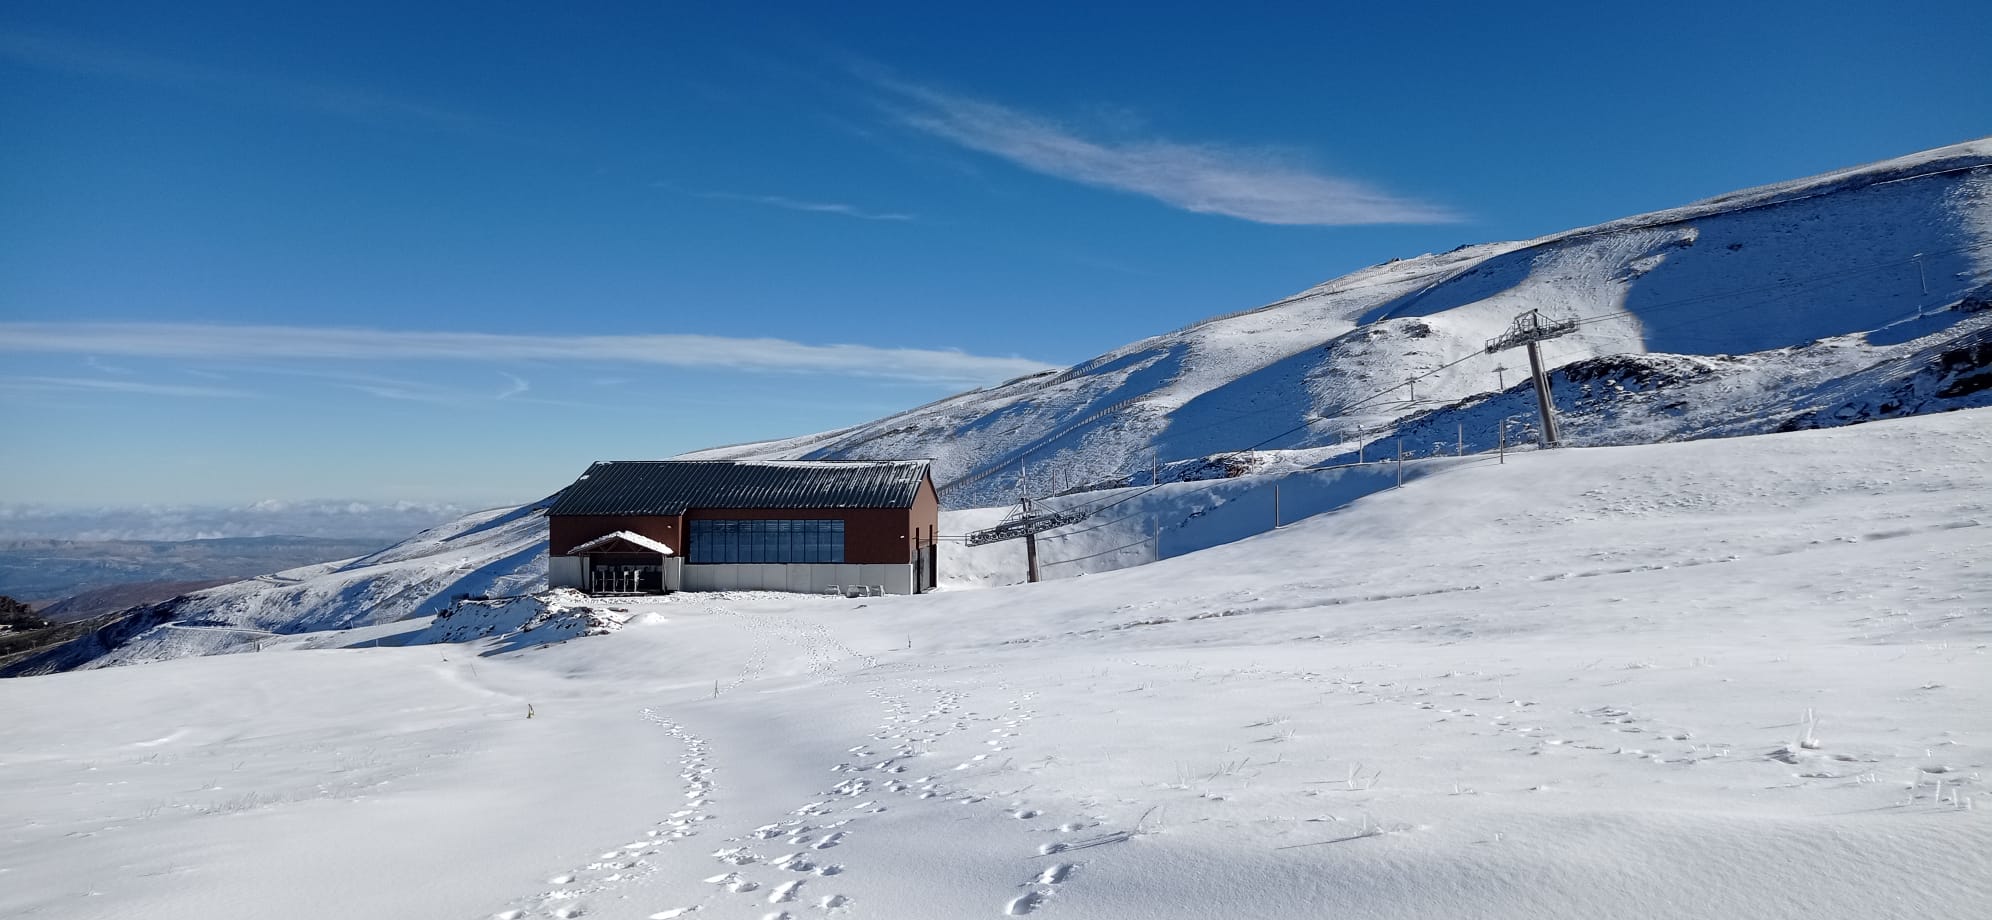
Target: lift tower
[
  {"x": 1531, "y": 329},
  {"x": 1027, "y": 523}
]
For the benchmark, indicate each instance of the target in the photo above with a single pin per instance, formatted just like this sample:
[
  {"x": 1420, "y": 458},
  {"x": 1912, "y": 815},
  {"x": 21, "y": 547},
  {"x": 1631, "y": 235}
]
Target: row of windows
[{"x": 716, "y": 542}]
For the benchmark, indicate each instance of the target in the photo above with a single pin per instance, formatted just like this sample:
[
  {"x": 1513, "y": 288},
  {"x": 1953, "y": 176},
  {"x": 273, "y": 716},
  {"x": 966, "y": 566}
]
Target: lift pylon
[{"x": 1530, "y": 330}]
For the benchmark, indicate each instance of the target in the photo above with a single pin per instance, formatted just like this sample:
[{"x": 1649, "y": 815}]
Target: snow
[
  {"x": 1733, "y": 677},
  {"x": 554, "y": 616},
  {"x": 1874, "y": 256},
  {"x": 626, "y": 536},
  {"x": 500, "y": 552},
  {"x": 1843, "y": 298}
]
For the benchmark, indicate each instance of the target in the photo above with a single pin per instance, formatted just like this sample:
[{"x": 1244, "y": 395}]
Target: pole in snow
[
  {"x": 1030, "y": 537},
  {"x": 1400, "y": 463},
  {"x": 1276, "y": 506},
  {"x": 1545, "y": 406},
  {"x": 1531, "y": 329}
]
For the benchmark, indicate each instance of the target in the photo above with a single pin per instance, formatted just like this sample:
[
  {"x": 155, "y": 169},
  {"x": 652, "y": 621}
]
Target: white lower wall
[
  {"x": 572, "y": 572},
  {"x": 566, "y": 572},
  {"x": 800, "y": 578}
]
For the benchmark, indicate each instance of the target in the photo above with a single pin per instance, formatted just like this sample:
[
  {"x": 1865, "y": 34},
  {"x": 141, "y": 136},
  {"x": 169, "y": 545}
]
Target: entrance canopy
[{"x": 622, "y": 541}]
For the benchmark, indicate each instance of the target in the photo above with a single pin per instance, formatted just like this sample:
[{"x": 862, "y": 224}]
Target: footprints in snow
[
  {"x": 1057, "y": 874},
  {"x": 1025, "y": 903},
  {"x": 825, "y": 824},
  {"x": 815, "y": 827},
  {"x": 1041, "y": 887},
  {"x": 1046, "y": 882},
  {"x": 872, "y": 772},
  {"x": 631, "y": 861}
]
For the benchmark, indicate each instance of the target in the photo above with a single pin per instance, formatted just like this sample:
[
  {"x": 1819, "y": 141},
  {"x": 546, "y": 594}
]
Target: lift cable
[{"x": 1076, "y": 515}]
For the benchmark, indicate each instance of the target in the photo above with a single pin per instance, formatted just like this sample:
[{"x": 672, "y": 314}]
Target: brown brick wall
[{"x": 566, "y": 531}]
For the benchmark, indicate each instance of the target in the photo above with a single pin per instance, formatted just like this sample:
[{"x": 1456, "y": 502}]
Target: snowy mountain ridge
[
  {"x": 1880, "y": 253},
  {"x": 1845, "y": 297}
]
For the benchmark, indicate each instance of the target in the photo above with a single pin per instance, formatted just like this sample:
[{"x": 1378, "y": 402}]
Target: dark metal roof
[{"x": 668, "y": 487}]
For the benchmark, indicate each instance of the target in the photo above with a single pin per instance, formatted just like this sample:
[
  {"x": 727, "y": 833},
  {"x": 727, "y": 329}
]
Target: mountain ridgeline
[{"x": 1851, "y": 296}]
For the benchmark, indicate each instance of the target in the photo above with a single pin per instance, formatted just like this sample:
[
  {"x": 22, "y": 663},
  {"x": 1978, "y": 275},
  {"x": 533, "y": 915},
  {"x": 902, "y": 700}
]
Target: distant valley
[{"x": 128, "y": 572}]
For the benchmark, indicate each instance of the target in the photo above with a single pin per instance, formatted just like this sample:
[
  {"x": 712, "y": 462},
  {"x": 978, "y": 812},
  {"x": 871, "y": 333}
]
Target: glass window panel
[{"x": 766, "y": 541}]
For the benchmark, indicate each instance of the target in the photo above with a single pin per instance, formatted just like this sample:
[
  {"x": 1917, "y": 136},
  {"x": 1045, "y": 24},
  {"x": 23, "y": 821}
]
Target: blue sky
[{"x": 455, "y": 252}]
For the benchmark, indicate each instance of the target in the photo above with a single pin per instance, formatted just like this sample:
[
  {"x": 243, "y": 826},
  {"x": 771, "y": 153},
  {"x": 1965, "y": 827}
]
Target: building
[{"x": 650, "y": 526}]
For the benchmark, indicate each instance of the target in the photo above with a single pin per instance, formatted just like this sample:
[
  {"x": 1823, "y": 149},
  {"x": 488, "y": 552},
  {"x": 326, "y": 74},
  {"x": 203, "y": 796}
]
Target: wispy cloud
[
  {"x": 400, "y": 393},
  {"x": 49, "y": 51},
  {"x": 518, "y": 385},
  {"x": 818, "y": 207},
  {"x": 261, "y": 343},
  {"x": 91, "y": 362},
  {"x": 100, "y": 385},
  {"x": 1256, "y": 185},
  {"x": 400, "y": 389}
]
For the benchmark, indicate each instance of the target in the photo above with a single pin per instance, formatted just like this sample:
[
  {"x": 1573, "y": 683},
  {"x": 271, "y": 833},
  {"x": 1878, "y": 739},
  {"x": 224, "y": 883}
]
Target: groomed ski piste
[{"x": 1742, "y": 677}]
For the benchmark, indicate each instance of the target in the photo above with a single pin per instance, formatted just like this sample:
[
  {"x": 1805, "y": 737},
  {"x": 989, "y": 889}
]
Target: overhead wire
[
  {"x": 1344, "y": 410},
  {"x": 1096, "y": 555}
]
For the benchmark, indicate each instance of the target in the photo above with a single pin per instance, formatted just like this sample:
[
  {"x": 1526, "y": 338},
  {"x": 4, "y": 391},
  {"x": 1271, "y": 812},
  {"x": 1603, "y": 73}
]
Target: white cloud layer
[
  {"x": 1254, "y": 185},
  {"x": 102, "y": 385},
  {"x": 323, "y": 518},
  {"x": 230, "y": 342}
]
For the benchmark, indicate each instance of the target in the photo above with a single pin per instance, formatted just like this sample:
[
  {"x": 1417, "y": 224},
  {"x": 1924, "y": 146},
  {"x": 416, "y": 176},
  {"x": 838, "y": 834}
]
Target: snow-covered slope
[
  {"x": 498, "y": 552},
  {"x": 1739, "y": 677},
  {"x": 1852, "y": 296},
  {"x": 1872, "y": 259}
]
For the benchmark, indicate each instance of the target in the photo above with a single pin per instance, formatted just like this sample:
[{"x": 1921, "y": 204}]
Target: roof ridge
[
  {"x": 749, "y": 460},
  {"x": 670, "y": 487}
]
